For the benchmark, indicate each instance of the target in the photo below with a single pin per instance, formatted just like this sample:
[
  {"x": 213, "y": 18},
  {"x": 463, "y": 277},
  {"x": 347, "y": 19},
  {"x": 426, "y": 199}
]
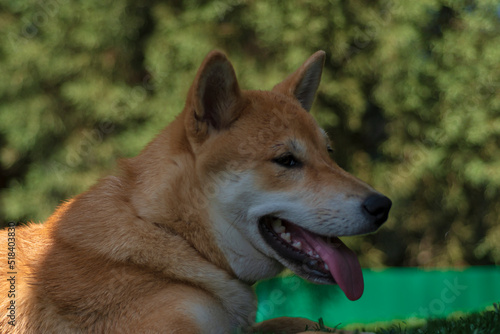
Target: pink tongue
[{"x": 342, "y": 262}]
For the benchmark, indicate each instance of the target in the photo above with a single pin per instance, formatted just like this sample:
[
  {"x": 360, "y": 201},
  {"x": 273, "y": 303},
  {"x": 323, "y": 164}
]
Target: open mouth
[{"x": 320, "y": 259}]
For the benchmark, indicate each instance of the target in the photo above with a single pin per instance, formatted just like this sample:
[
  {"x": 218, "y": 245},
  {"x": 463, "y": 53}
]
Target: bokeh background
[{"x": 410, "y": 96}]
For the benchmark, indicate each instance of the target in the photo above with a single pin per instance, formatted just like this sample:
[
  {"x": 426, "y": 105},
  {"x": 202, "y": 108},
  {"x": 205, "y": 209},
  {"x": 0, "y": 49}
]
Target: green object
[{"x": 397, "y": 293}]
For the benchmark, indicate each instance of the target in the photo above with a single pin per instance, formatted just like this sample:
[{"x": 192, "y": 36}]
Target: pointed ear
[
  {"x": 303, "y": 83},
  {"x": 214, "y": 93}
]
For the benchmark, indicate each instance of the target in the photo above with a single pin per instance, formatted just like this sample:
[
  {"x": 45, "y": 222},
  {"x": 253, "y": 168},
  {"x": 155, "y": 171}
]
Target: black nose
[{"x": 377, "y": 206}]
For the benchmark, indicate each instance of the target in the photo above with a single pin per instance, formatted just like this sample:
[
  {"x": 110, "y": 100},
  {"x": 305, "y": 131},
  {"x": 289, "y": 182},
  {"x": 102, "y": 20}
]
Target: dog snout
[{"x": 377, "y": 207}]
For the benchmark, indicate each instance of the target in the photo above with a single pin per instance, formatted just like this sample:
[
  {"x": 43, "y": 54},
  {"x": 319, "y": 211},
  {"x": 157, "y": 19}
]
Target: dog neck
[{"x": 167, "y": 191}]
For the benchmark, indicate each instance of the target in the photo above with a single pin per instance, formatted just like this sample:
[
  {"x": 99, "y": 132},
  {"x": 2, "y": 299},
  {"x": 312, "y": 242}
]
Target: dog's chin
[{"x": 291, "y": 251}]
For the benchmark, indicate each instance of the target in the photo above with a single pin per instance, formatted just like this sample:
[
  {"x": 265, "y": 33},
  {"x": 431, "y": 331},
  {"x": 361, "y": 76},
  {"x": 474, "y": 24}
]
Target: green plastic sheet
[{"x": 391, "y": 294}]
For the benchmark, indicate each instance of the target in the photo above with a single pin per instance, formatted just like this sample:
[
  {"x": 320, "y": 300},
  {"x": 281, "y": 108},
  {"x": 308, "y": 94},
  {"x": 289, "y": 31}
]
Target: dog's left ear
[
  {"x": 214, "y": 95},
  {"x": 303, "y": 83}
]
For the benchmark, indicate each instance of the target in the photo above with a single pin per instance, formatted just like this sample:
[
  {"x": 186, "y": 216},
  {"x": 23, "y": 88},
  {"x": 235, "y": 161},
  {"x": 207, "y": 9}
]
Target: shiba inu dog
[{"x": 237, "y": 187}]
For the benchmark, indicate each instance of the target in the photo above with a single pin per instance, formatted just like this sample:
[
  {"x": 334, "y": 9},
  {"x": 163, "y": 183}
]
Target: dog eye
[
  {"x": 330, "y": 149},
  {"x": 287, "y": 160}
]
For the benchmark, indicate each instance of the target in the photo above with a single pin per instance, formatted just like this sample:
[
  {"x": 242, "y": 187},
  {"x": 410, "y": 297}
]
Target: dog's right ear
[
  {"x": 303, "y": 83},
  {"x": 214, "y": 95}
]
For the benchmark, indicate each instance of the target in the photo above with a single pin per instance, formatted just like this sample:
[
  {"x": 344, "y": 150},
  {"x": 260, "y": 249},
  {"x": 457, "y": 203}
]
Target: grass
[{"x": 486, "y": 322}]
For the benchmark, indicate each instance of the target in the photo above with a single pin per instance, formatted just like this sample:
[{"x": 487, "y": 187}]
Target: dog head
[{"x": 277, "y": 198}]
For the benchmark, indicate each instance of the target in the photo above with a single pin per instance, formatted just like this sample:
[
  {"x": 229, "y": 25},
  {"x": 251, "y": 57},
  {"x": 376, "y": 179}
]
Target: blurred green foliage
[{"x": 410, "y": 95}]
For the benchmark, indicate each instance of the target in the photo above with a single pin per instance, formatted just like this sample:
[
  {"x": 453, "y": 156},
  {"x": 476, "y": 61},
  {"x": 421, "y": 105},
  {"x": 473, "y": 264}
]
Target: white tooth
[
  {"x": 286, "y": 237},
  {"x": 316, "y": 256},
  {"x": 277, "y": 227},
  {"x": 326, "y": 267},
  {"x": 310, "y": 253},
  {"x": 297, "y": 244}
]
